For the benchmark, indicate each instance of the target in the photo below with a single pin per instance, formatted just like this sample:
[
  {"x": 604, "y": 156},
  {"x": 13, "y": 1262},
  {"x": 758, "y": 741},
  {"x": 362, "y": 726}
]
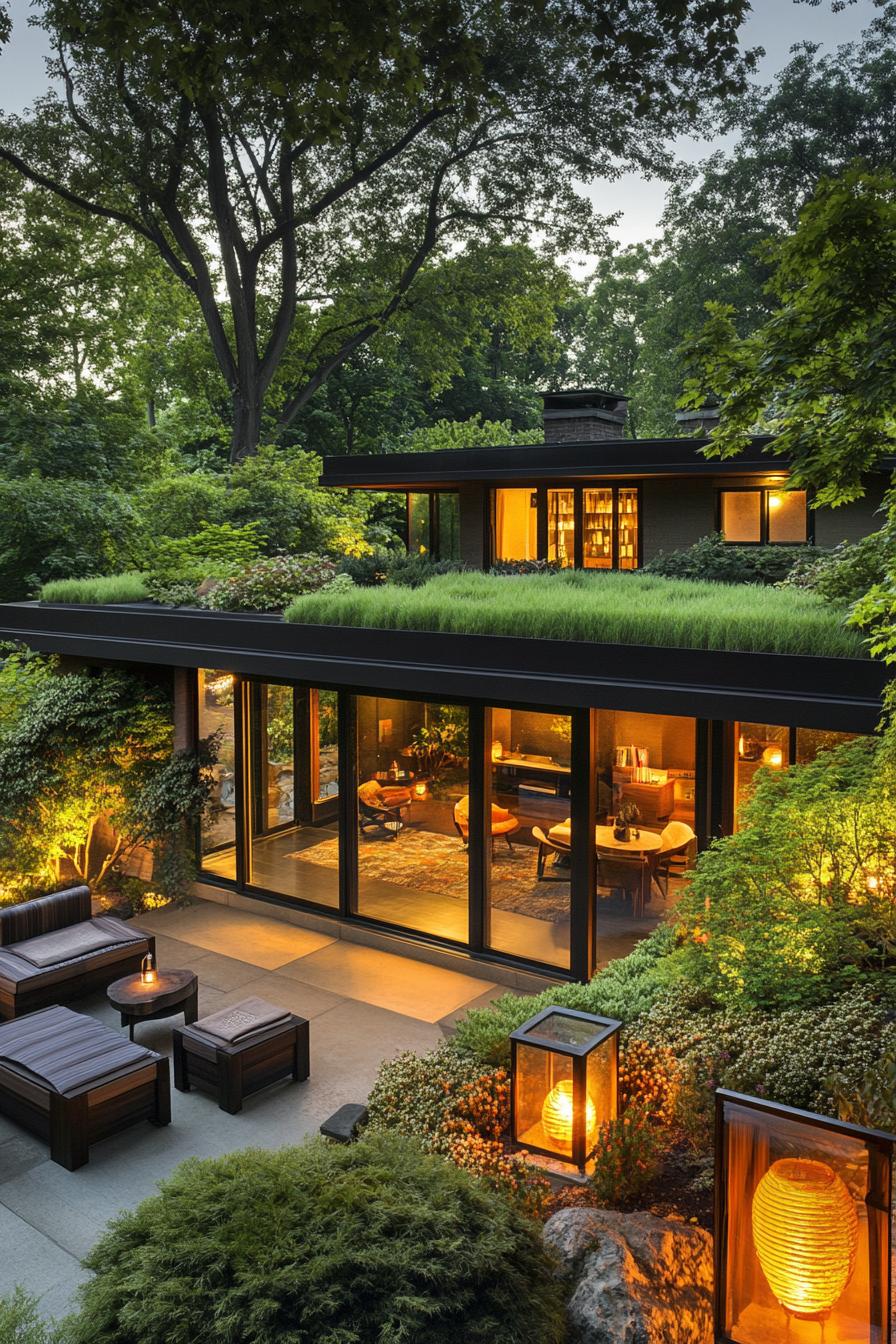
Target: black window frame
[
  {"x": 764, "y": 492},
  {"x": 578, "y": 488},
  {"x": 434, "y": 549}
]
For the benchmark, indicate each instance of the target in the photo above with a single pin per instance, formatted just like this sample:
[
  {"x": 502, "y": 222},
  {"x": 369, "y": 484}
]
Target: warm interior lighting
[
  {"x": 774, "y": 501},
  {"x": 148, "y": 973},
  {"x": 806, "y": 1232},
  {"x": 773, "y": 757},
  {"x": 557, "y": 1116},
  {"x": 421, "y": 789}
]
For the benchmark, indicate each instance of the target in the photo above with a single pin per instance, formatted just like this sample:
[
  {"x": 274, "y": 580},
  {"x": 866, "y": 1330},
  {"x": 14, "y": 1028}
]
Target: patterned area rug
[{"x": 426, "y": 861}]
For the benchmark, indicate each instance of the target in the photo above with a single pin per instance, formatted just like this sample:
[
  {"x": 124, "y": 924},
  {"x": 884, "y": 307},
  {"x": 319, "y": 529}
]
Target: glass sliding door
[
  {"x": 216, "y": 717},
  {"x": 413, "y": 806},
  {"x": 293, "y": 847},
  {"x": 529, "y": 849},
  {"x": 448, "y": 506},
  {"x": 646, "y": 768}
]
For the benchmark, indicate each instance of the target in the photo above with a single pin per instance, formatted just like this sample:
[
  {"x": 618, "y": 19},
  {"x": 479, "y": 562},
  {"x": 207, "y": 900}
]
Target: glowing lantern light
[
  {"x": 148, "y": 973},
  {"x": 774, "y": 501},
  {"x": 564, "y": 1069},
  {"x": 805, "y": 1230},
  {"x": 557, "y": 1113},
  {"x": 773, "y": 757}
]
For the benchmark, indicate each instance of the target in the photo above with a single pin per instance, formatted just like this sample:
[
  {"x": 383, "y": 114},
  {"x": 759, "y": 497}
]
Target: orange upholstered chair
[{"x": 503, "y": 822}]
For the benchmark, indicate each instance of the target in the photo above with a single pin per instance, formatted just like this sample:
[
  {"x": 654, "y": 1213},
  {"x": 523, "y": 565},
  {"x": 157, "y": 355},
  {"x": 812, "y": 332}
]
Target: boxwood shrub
[{"x": 322, "y": 1244}]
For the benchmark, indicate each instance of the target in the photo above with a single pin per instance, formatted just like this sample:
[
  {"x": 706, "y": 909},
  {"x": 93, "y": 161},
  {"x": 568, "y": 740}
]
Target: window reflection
[
  {"x": 216, "y": 690},
  {"x": 413, "y": 814}
]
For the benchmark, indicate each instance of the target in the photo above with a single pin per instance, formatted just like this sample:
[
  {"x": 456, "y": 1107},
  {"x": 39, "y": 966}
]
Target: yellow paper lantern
[
  {"x": 557, "y": 1116},
  {"x": 806, "y": 1232}
]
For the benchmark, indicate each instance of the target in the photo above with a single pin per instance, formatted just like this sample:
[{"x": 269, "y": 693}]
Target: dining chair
[
  {"x": 624, "y": 872},
  {"x": 677, "y": 840},
  {"x": 548, "y": 845}
]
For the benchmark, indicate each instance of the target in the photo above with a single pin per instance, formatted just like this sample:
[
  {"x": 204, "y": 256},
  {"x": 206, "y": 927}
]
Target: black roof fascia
[
  {"x": 544, "y": 461},
  {"x": 837, "y": 693}
]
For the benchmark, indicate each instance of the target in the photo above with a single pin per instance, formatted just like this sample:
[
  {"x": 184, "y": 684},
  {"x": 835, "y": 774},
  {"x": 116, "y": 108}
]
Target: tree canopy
[{"x": 310, "y": 171}]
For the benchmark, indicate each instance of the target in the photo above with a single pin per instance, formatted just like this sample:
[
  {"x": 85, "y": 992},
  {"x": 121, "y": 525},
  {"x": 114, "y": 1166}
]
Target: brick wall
[
  {"x": 582, "y": 427},
  {"x": 472, "y": 503}
]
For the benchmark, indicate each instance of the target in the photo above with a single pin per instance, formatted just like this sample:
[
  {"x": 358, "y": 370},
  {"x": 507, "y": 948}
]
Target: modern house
[
  {"x": 589, "y": 498},
  {"x": 452, "y": 792}
]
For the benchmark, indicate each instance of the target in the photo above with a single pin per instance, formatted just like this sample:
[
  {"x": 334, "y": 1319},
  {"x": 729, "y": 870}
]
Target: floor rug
[{"x": 427, "y": 861}]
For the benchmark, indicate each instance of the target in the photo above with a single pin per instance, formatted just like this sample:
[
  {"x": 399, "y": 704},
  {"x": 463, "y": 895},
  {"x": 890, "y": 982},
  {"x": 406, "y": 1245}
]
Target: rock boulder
[{"x": 634, "y": 1279}]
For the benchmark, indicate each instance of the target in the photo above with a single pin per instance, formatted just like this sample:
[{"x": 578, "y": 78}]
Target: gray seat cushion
[
  {"x": 15, "y": 969},
  {"x": 67, "y": 1050}
]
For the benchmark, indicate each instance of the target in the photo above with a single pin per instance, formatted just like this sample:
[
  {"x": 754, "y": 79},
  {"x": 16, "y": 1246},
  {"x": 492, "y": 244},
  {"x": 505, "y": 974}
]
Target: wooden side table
[
  {"x": 234, "y": 1071},
  {"x": 173, "y": 992}
]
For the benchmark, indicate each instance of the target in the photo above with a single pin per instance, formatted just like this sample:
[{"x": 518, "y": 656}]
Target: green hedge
[
  {"x": 324, "y": 1244},
  {"x": 627, "y": 988}
]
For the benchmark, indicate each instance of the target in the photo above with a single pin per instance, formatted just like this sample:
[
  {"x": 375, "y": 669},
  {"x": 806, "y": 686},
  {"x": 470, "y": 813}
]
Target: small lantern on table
[
  {"x": 564, "y": 1072},
  {"x": 148, "y": 973}
]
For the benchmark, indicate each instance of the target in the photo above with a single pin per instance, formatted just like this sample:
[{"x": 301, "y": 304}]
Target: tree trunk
[
  {"x": 246, "y": 431},
  {"x": 151, "y": 412}
]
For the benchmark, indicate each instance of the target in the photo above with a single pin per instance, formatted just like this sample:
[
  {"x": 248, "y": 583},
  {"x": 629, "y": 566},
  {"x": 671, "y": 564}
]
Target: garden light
[
  {"x": 805, "y": 1230},
  {"x": 557, "y": 1116},
  {"x": 564, "y": 1071},
  {"x": 803, "y": 1226},
  {"x": 148, "y": 973}
]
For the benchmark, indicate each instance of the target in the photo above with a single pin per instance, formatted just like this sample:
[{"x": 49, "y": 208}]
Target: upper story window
[
  {"x": 764, "y": 516},
  {"x": 433, "y": 524},
  {"x": 587, "y": 527},
  {"x": 516, "y": 524}
]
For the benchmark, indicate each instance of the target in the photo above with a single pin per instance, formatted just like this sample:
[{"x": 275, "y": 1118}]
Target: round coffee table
[{"x": 173, "y": 992}]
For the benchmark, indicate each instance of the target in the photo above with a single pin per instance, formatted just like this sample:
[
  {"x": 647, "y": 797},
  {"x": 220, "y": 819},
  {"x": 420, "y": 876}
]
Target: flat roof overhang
[
  {"x": 531, "y": 463},
  {"x": 534, "y": 462},
  {"x": 842, "y": 694}
]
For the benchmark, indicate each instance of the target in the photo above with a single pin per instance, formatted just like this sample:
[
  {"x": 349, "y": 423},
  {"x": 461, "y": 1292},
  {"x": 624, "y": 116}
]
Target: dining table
[{"x": 640, "y": 845}]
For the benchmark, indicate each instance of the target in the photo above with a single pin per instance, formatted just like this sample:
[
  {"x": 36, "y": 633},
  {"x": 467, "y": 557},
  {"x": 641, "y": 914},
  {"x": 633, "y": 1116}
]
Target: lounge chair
[
  {"x": 382, "y": 809},
  {"x": 678, "y": 840},
  {"x": 503, "y": 822}
]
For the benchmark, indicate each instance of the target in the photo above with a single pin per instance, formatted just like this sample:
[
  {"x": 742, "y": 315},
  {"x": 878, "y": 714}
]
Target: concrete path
[{"x": 364, "y": 1006}]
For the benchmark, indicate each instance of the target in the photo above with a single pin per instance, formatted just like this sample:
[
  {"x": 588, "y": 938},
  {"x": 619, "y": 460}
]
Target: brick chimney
[
  {"x": 587, "y": 415},
  {"x": 702, "y": 421}
]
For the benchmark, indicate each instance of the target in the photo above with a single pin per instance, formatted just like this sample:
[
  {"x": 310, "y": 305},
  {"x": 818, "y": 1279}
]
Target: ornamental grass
[{"x": 607, "y": 608}]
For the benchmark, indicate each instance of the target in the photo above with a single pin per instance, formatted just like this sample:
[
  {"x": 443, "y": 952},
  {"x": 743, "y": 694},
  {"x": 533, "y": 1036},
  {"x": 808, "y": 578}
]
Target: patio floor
[{"x": 364, "y": 1006}]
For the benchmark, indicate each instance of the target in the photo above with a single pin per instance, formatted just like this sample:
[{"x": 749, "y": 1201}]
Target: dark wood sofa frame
[
  {"x": 71, "y": 1122},
  {"x": 82, "y": 975}
]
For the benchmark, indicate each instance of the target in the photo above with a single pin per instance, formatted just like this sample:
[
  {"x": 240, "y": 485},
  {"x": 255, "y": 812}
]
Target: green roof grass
[
  {"x": 99, "y": 591},
  {"x": 597, "y": 608}
]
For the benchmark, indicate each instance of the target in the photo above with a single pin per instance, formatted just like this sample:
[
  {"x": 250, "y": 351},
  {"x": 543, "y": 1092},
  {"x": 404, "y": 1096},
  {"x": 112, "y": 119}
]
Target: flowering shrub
[
  {"x": 627, "y": 1158},
  {"x": 788, "y": 1057},
  {"x": 272, "y": 582},
  {"x": 649, "y": 1079},
  {"x": 459, "y": 1110}
]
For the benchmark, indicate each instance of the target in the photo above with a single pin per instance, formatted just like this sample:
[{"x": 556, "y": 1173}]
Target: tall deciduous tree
[{"x": 325, "y": 156}]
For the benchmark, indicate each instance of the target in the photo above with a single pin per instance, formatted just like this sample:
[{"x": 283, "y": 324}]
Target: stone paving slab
[{"x": 364, "y": 1006}]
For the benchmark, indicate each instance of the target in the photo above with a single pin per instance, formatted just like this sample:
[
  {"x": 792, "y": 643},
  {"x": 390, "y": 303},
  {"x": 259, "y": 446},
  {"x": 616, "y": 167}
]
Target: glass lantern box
[
  {"x": 802, "y": 1221},
  {"x": 564, "y": 1069}
]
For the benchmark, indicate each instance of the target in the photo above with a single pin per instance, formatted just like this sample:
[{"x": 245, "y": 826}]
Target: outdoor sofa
[{"x": 52, "y": 949}]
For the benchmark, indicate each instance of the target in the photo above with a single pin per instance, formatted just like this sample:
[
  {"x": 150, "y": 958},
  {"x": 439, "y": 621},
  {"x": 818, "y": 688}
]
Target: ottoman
[
  {"x": 73, "y": 1081},
  {"x": 240, "y": 1050}
]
